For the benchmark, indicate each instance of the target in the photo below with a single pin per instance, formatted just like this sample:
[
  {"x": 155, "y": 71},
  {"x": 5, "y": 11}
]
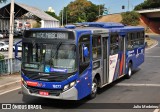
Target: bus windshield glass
[{"x": 60, "y": 57}]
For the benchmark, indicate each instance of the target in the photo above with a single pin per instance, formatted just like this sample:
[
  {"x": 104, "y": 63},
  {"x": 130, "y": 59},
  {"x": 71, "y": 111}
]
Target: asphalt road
[{"x": 143, "y": 87}]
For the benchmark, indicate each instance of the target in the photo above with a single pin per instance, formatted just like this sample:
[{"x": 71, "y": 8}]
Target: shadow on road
[{"x": 116, "y": 82}]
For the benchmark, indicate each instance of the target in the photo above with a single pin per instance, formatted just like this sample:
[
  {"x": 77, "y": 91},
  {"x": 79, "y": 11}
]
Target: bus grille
[
  {"x": 53, "y": 77},
  {"x": 51, "y": 92}
]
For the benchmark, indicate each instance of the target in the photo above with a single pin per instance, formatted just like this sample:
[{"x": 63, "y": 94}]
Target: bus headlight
[
  {"x": 70, "y": 85},
  {"x": 66, "y": 87}
]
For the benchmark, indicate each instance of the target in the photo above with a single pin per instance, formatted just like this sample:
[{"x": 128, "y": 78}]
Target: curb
[
  {"x": 7, "y": 86},
  {"x": 152, "y": 46}
]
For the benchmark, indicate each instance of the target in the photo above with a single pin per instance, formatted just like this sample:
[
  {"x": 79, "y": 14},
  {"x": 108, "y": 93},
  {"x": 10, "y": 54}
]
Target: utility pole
[
  {"x": 66, "y": 17},
  {"x": 10, "y": 52},
  {"x": 128, "y": 5},
  {"x": 99, "y": 11},
  {"x": 62, "y": 17}
]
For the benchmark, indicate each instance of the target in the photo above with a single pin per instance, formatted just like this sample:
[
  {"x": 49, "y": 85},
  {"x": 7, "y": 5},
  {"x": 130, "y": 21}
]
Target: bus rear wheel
[
  {"x": 94, "y": 89},
  {"x": 129, "y": 71}
]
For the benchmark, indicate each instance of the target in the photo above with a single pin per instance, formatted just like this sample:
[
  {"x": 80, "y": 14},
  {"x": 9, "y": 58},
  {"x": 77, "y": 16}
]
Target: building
[{"x": 26, "y": 15}]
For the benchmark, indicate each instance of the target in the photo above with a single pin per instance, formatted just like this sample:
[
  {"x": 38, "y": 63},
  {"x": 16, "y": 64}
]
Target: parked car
[
  {"x": 3, "y": 46},
  {"x": 1, "y": 36},
  {"x": 19, "y": 47},
  {"x": 7, "y": 41}
]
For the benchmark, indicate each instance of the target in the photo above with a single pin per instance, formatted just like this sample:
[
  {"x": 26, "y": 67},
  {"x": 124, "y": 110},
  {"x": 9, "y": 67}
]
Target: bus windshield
[{"x": 60, "y": 57}]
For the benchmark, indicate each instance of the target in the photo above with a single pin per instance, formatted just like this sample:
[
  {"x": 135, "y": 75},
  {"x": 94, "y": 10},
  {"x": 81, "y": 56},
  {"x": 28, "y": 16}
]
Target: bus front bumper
[{"x": 71, "y": 94}]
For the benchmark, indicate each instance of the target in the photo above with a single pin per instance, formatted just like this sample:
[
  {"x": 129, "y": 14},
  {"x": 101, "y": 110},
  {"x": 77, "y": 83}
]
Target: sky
[{"x": 114, "y": 6}]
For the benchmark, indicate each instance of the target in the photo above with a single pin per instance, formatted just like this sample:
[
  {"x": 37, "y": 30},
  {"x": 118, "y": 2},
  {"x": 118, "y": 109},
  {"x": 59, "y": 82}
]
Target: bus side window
[
  {"x": 96, "y": 47},
  {"x": 114, "y": 44},
  {"x": 129, "y": 41},
  {"x": 135, "y": 40},
  {"x": 84, "y": 61},
  {"x": 142, "y": 38}
]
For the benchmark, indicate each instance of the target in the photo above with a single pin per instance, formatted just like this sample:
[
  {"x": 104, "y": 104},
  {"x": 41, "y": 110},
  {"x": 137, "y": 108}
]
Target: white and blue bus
[{"x": 70, "y": 63}]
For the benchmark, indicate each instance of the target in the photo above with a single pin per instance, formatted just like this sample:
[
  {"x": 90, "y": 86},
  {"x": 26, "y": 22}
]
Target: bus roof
[
  {"x": 104, "y": 24},
  {"x": 111, "y": 26},
  {"x": 127, "y": 29}
]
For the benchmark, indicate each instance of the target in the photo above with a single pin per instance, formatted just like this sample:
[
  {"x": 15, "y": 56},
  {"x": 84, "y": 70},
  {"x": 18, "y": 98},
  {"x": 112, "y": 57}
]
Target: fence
[{"x": 9, "y": 66}]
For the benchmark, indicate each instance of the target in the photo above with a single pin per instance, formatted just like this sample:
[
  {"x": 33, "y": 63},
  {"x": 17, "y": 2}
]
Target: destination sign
[{"x": 50, "y": 35}]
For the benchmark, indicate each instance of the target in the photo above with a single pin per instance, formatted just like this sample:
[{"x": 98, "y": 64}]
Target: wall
[
  {"x": 152, "y": 25},
  {"x": 4, "y": 24},
  {"x": 49, "y": 24}
]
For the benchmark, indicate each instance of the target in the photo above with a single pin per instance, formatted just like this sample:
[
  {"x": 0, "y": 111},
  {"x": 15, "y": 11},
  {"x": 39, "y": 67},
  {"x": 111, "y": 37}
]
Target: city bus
[{"x": 71, "y": 63}]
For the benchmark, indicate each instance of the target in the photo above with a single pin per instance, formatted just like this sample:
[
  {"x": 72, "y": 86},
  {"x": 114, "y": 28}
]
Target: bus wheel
[
  {"x": 129, "y": 71},
  {"x": 94, "y": 89}
]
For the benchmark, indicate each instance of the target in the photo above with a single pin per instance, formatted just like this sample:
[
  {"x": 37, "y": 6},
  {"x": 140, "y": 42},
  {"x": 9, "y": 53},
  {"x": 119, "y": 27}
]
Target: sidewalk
[{"x": 8, "y": 82}]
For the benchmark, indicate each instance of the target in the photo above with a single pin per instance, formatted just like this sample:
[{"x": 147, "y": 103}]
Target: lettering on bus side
[{"x": 131, "y": 53}]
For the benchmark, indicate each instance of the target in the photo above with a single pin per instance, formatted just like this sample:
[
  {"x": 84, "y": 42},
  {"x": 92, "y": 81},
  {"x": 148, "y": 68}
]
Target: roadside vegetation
[
  {"x": 1, "y": 56},
  {"x": 130, "y": 18},
  {"x": 53, "y": 14},
  {"x": 147, "y": 4},
  {"x": 3, "y": 1}
]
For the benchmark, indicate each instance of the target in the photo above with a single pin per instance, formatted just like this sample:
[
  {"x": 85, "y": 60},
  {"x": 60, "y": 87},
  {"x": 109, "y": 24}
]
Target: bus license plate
[{"x": 44, "y": 93}]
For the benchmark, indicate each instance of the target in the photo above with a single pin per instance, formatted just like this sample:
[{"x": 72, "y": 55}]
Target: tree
[
  {"x": 148, "y": 4},
  {"x": 3, "y": 1},
  {"x": 81, "y": 11},
  {"x": 130, "y": 18},
  {"x": 52, "y": 14}
]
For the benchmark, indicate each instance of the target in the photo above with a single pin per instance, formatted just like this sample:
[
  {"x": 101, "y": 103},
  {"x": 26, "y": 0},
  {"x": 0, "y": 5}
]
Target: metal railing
[{"x": 9, "y": 66}]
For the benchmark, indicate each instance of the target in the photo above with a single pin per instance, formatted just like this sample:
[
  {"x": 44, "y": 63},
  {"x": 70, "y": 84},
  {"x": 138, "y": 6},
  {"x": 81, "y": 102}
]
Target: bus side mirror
[{"x": 85, "y": 52}]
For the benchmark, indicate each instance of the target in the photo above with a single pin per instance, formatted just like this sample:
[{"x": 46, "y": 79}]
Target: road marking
[
  {"x": 138, "y": 85},
  {"x": 10, "y": 90},
  {"x": 156, "y": 110},
  {"x": 10, "y": 83},
  {"x": 152, "y": 56}
]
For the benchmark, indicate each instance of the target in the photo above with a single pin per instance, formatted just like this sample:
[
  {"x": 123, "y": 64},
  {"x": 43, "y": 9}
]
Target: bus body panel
[{"x": 136, "y": 56}]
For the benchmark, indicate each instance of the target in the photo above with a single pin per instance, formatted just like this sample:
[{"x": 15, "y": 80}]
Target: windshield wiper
[{"x": 57, "y": 48}]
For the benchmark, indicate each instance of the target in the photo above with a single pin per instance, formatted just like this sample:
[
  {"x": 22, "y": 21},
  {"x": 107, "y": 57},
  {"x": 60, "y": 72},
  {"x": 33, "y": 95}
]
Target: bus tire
[
  {"x": 94, "y": 89},
  {"x": 129, "y": 71}
]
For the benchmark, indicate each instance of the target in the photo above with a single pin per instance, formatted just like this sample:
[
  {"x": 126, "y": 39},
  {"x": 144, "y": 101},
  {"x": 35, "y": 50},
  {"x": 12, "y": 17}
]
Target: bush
[
  {"x": 1, "y": 56},
  {"x": 36, "y": 25},
  {"x": 130, "y": 18},
  {"x": 147, "y": 4}
]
